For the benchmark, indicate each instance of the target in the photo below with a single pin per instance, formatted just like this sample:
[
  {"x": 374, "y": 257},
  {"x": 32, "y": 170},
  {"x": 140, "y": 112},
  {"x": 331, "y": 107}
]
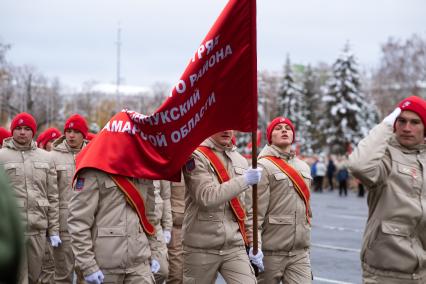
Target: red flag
[{"x": 217, "y": 91}]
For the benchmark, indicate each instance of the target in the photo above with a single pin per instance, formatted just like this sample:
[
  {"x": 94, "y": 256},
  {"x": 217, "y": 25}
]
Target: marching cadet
[
  {"x": 283, "y": 208},
  {"x": 111, "y": 238},
  {"x": 175, "y": 249},
  {"x": 216, "y": 226},
  {"x": 46, "y": 138},
  {"x": 33, "y": 178},
  {"x": 391, "y": 163},
  {"x": 64, "y": 153},
  {"x": 162, "y": 221},
  {"x": 44, "y": 141}
]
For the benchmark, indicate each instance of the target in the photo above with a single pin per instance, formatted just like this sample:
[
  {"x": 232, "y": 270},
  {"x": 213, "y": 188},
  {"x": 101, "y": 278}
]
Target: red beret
[
  {"x": 415, "y": 104},
  {"x": 48, "y": 135},
  {"x": 4, "y": 133},
  {"x": 24, "y": 119},
  {"x": 77, "y": 122},
  {"x": 276, "y": 121}
]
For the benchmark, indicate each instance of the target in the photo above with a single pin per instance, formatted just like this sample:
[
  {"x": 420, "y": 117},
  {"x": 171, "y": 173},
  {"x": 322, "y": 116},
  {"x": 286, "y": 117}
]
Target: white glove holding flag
[
  {"x": 257, "y": 259},
  {"x": 55, "y": 241},
  {"x": 167, "y": 236},
  {"x": 390, "y": 119},
  {"x": 252, "y": 176},
  {"x": 155, "y": 266},
  {"x": 95, "y": 278}
]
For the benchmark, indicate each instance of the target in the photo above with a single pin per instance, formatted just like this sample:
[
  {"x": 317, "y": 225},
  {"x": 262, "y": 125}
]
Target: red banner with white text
[{"x": 217, "y": 91}]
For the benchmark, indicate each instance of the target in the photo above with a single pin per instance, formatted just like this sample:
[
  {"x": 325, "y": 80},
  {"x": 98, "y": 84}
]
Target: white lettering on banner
[
  {"x": 209, "y": 45},
  {"x": 215, "y": 58},
  {"x": 178, "y": 135},
  {"x": 158, "y": 140},
  {"x": 166, "y": 116}
]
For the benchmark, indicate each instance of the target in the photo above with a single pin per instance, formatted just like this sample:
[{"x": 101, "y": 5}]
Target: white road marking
[
  {"x": 338, "y": 228},
  {"x": 351, "y": 217},
  {"x": 326, "y": 280},
  {"x": 336, "y": 248}
]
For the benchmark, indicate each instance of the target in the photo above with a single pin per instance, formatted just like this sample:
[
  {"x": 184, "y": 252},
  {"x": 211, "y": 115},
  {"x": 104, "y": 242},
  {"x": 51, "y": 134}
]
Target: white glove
[
  {"x": 390, "y": 119},
  {"x": 155, "y": 266},
  {"x": 95, "y": 278},
  {"x": 167, "y": 236},
  {"x": 55, "y": 241},
  {"x": 252, "y": 176},
  {"x": 257, "y": 259}
]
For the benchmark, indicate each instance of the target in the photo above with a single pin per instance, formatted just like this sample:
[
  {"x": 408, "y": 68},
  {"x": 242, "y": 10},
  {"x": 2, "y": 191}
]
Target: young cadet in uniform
[
  {"x": 46, "y": 138},
  {"x": 214, "y": 237},
  {"x": 283, "y": 208},
  {"x": 112, "y": 241},
  {"x": 64, "y": 153},
  {"x": 162, "y": 222},
  {"x": 391, "y": 163},
  {"x": 33, "y": 178},
  {"x": 44, "y": 141},
  {"x": 175, "y": 249}
]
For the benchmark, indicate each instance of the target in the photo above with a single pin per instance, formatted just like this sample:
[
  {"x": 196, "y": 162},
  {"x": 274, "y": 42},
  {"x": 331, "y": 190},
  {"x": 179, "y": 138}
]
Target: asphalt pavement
[{"x": 337, "y": 228}]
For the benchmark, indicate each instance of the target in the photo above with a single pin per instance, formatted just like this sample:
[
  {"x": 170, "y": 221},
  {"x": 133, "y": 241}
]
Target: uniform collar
[{"x": 415, "y": 149}]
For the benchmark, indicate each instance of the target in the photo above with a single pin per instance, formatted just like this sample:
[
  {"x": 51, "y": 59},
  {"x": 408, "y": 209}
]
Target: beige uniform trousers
[
  {"x": 47, "y": 274},
  {"x": 293, "y": 269},
  {"x": 163, "y": 273},
  {"x": 175, "y": 251},
  {"x": 33, "y": 259},
  {"x": 142, "y": 275},
  {"x": 202, "y": 267},
  {"x": 64, "y": 261}
]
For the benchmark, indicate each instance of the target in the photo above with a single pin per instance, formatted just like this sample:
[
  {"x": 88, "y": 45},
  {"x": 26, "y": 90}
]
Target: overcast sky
[{"x": 74, "y": 40}]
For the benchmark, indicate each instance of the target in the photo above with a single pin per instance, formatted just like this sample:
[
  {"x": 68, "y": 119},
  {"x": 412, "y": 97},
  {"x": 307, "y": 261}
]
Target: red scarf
[{"x": 298, "y": 181}]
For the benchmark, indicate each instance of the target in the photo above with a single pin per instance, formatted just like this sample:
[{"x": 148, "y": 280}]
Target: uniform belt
[
  {"x": 214, "y": 251},
  {"x": 283, "y": 252}
]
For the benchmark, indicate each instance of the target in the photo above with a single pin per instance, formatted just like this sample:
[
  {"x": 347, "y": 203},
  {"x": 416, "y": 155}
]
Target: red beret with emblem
[
  {"x": 77, "y": 122},
  {"x": 49, "y": 134},
  {"x": 24, "y": 119},
  {"x": 276, "y": 121}
]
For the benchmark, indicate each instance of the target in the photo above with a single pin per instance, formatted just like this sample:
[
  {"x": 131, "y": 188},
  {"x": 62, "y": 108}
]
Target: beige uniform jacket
[
  {"x": 282, "y": 218},
  {"x": 105, "y": 229},
  {"x": 177, "y": 200},
  {"x": 395, "y": 235},
  {"x": 163, "y": 209},
  {"x": 33, "y": 178},
  {"x": 209, "y": 223},
  {"x": 64, "y": 159}
]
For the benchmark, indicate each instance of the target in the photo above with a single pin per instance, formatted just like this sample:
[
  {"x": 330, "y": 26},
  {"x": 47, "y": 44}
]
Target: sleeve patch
[
  {"x": 190, "y": 165},
  {"x": 79, "y": 185}
]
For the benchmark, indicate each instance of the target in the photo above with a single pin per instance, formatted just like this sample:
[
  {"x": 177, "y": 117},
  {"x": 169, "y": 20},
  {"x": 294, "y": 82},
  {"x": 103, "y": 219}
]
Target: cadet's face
[
  {"x": 282, "y": 135},
  {"x": 223, "y": 138},
  {"x": 74, "y": 138},
  {"x": 409, "y": 129},
  {"x": 23, "y": 135},
  {"x": 49, "y": 146}
]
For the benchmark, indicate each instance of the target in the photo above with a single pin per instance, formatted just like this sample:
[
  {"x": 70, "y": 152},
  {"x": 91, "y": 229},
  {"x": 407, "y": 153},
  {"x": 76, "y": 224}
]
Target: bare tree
[{"x": 401, "y": 73}]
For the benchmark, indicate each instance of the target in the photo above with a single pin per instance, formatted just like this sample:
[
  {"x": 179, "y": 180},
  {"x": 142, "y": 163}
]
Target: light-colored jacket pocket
[{"x": 392, "y": 249}]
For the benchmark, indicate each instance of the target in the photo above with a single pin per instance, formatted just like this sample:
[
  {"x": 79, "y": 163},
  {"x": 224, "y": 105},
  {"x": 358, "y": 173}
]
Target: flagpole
[
  {"x": 253, "y": 39},
  {"x": 254, "y": 192}
]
